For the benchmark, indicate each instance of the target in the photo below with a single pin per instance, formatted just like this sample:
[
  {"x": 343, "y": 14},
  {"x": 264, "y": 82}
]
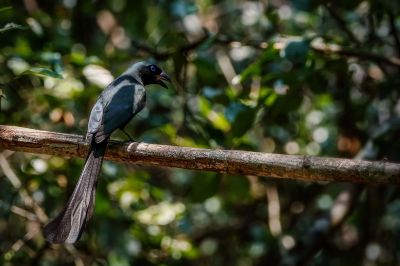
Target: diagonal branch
[
  {"x": 393, "y": 31},
  {"x": 306, "y": 168},
  {"x": 16, "y": 183},
  {"x": 163, "y": 55},
  {"x": 361, "y": 54},
  {"x": 342, "y": 24},
  {"x": 257, "y": 44}
]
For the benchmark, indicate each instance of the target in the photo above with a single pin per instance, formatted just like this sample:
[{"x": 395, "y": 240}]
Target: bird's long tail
[{"x": 68, "y": 226}]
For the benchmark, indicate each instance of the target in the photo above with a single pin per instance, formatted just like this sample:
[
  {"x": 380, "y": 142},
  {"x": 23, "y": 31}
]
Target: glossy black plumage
[{"x": 115, "y": 107}]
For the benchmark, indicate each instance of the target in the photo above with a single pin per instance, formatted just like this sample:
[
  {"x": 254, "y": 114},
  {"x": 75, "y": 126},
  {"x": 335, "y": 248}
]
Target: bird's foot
[{"x": 130, "y": 139}]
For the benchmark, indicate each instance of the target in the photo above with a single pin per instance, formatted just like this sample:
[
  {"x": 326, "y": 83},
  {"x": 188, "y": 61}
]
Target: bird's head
[{"x": 148, "y": 74}]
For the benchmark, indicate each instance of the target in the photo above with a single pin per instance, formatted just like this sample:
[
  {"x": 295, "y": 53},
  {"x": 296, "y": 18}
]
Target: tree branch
[
  {"x": 322, "y": 48},
  {"x": 163, "y": 55},
  {"x": 393, "y": 30},
  {"x": 331, "y": 49},
  {"x": 306, "y": 168},
  {"x": 323, "y": 227},
  {"x": 342, "y": 24}
]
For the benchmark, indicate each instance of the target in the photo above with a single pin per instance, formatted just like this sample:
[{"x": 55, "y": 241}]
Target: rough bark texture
[{"x": 306, "y": 168}]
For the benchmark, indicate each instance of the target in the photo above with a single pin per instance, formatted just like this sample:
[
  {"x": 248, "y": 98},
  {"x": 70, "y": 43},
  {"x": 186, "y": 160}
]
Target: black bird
[{"x": 115, "y": 107}]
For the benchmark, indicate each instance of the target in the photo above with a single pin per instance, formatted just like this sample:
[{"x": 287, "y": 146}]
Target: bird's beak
[{"x": 163, "y": 77}]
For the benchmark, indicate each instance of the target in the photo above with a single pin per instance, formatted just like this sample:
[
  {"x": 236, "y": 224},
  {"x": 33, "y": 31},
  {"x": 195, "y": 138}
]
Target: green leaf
[
  {"x": 237, "y": 187},
  {"x": 219, "y": 121},
  {"x": 296, "y": 51},
  {"x": 4, "y": 9},
  {"x": 241, "y": 118},
  {"x": 204, "y": 186},
  {"x": 270, "y": 98},
  {"x": 206, "y": 71},
  {"x": 287, "y": 103},
  {"x": 12, "y": 26},
  {"x": 42, "y": 72},
  {"x": 117, "y": 259},
  {"x": 257, "y": 68}
]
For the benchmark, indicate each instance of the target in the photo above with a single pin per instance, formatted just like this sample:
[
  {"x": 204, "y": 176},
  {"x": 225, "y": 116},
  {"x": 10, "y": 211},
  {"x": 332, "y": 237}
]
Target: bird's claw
[{"x": 130, "y": 139}]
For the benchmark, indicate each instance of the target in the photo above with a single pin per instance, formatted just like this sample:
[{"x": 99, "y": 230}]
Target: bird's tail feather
[{"x": 68, "y": 226}]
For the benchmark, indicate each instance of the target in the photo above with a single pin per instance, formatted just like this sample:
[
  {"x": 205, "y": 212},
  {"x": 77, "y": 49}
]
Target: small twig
[
  {"x": 393, "y": 31},
  {"x": 341, "y": 209},
  {"x": 326, "y": 225},
  {"x": 326, "y": 49},
  {"x": 146, "y": 48},
  {"x": 371, "y": 28},
  {"x": 274, "y": 209},
  {"x": 75, "y": 253},
  {"x": 24, "y": 213},
  {"x": 163, "y": 55},
  {"x": 9, "y": 173},
  {"x": 21, "y": 242},
  {"x": 342, "y": 24},
  {"x": 394, "y": 61},
  {"x": 27, "y": 199}
]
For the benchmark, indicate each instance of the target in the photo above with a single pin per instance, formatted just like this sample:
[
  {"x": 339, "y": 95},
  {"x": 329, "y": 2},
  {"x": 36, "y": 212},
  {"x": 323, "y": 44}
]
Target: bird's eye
[{"x": 153, "y": 68}]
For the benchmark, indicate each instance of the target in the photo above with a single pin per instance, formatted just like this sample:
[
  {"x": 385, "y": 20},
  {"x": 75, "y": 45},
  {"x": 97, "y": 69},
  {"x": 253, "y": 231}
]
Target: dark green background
[{"x": 254, "y": 82}]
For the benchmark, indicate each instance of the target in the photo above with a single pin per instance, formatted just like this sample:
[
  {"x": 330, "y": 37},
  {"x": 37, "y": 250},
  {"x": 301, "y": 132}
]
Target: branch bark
[{"x": 306, "y": 168}]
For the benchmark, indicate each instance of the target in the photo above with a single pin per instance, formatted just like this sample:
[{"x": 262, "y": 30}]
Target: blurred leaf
[
  {"x": 270, "y": 97},
  {"x": 251, "y": 70},
  {"x": 204, "y": 106},
  {"x": 296, "y": 51},
  {"x": 204, "y": 186},
  {"x": 12, "y": 26},
  {"x": 103, "y": 205},
  {"x": 236, "y": 187},
  {"x": 241, "y": 118},
  {"x": 209, "y": 42},
  {"x": 215, "y": 94},
  {"x": 6, "y": 8},
  {"x": 286, "y": 103},
  {"x": 42, "y": 72},
  {"x": 257, "y": 68},
  {"x": 116, "y": 259},
  {"x": 78, "y": 58},
  {"x": 219, "y": 121},
  {"x": 179, "y": 62},
  {"x": 206, "y": 71}
]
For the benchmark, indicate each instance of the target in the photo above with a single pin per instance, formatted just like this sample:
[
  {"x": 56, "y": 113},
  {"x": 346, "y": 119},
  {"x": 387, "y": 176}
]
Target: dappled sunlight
[
  {"x": 97, "y": 75},
  {"x": 298, "y": 79},
  {"x": 161, "y": 214}
]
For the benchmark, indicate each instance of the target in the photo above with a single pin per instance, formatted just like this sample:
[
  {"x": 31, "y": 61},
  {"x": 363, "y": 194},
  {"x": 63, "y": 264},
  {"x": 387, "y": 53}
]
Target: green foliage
[
  {"x": 268, "y": 77},
  {"x": 11, "y": 26},
  {"x": 42, "y": 72}
]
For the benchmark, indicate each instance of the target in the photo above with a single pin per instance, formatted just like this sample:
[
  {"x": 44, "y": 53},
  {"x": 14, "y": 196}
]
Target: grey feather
[{"x": 69, "y": 224}]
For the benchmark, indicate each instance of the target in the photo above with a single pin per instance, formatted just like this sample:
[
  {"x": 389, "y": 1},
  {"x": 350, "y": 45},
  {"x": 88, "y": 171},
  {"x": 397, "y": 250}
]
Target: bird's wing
[
  {"x": 97, "y": 113},
  {"x": 116, "y": 109}
]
